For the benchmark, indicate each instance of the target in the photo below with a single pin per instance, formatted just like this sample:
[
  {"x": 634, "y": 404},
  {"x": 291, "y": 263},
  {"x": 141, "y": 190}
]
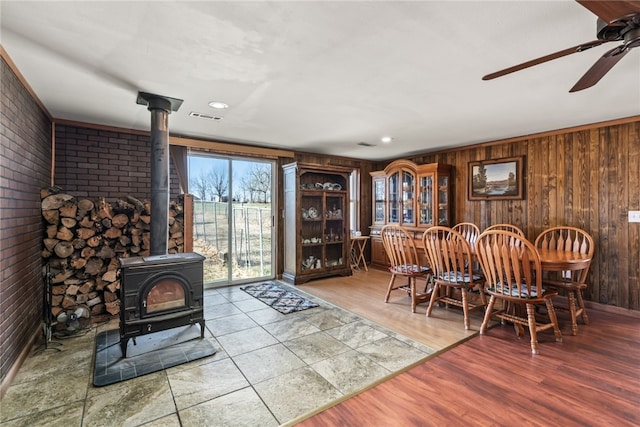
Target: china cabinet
[
  {"x": 411, "y": 195},
  {"x": 316, "y": 216}
]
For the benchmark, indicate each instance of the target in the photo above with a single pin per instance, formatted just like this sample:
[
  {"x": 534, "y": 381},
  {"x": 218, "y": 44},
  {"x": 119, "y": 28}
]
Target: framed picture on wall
[{"x": 496, "y": 179}]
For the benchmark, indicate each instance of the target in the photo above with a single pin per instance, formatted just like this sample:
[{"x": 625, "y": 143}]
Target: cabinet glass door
[
  {"x": 443, "y": 200},
  {"x": 334, "y": 230},
  {"x": 426, "y": 200},
  {"x": 408, "y": 189},
  {"x": 394, "y": 199},
  {"x": 378, "y": 192}
]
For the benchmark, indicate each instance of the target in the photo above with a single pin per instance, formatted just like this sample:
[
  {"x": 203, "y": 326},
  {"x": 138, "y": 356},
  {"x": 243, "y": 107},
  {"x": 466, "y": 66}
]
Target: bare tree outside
[
  {"x": 219, "y": 184},
  {"x": 200, "y": 185},
  {"x": 257, "y": 183}
]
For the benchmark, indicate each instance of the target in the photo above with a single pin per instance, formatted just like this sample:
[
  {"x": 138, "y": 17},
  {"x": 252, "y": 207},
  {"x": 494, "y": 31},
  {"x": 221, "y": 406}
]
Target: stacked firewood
[{"x": 83, "y": 242}]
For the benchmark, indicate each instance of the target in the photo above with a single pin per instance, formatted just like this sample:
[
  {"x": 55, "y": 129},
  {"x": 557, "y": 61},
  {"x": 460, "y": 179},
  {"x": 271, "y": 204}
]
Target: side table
[{"x": 358, "y": 244}]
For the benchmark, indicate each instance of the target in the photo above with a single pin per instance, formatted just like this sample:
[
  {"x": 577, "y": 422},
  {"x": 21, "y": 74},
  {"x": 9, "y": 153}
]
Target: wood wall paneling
[{"x": 584, "y": 177}]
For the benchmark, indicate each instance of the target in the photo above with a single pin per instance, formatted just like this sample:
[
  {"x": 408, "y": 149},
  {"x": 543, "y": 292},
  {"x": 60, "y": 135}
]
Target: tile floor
[{"x": 270, "y": 369}]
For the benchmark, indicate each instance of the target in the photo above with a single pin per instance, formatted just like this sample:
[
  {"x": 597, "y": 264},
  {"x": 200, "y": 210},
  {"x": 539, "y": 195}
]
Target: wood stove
[{"x": 160, "y": 292}]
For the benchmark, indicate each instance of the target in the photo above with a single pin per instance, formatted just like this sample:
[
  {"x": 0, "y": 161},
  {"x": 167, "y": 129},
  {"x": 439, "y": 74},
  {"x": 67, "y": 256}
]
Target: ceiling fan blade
[
  {"x": 600, "y": 68},
  {"x": 560, "y": 54},
  {"x": 611, "y": 10}
]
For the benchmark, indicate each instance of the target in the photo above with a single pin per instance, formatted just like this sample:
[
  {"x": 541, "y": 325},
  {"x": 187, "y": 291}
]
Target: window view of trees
[
  {"x": 253, "y": 185},
  {"x": 232, "y": 217}
]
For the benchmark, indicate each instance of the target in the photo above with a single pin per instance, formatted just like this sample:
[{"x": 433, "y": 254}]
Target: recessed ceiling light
[
  {"x": 386, "y": 139},
  {"x": 218, "y": 105}
]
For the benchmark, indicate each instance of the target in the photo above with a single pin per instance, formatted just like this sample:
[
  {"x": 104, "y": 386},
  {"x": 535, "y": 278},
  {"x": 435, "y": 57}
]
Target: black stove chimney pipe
[{"x": 160, "y": 107}]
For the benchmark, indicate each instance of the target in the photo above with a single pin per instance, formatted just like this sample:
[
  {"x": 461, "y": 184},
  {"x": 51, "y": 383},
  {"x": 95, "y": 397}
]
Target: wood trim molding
[
  {"x": 230, "y": 148},
  {"x": 188, "y": 222}
]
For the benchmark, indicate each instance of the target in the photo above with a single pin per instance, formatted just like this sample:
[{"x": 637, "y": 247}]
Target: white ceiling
[{"x": 320, "y": 76}]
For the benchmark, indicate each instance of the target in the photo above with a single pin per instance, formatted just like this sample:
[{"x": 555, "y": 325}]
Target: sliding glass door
[{"x": 233, "y": 217}]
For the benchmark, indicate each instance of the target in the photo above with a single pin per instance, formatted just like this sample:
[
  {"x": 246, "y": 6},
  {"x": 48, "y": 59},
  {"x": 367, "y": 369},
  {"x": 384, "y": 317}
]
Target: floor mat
[
  {"x": 150, "y": 353},
  {"x": 279, "y": 298}
]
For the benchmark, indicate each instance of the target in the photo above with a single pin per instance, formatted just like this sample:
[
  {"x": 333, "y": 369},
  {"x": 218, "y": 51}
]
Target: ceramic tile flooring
[{"x": 270, "y": 369}]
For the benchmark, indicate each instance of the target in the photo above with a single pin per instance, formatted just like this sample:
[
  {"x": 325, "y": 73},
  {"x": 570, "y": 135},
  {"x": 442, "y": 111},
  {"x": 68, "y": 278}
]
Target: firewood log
[
  {"x": 63, "y": 249},
  {"x": 51, "y": 231},
  {"x": 137, "y": 203},
  {"x": 84, "y": 206},
  {"x": 68, "y": 209},
  {"x": 64, "y": 234},
  {"x": 52, "y": 216},
  {"x": 112, "y": 233},
  {"x": 120, "y": 220},
  {"x": 94, "y": 241},
  {"x": 93, "y": 267},
  {"x": 87, "y": 252},
  {"x": 55, "y": 201},
  {"x": 85, "y": 233},
  {"x": 103, "y": 208}
]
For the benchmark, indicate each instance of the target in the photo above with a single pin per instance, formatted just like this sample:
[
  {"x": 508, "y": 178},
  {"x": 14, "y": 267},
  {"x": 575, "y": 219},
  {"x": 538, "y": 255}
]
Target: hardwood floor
[
  {"x": 364, "y": 292},
  {"x": 591, "y": 379}
]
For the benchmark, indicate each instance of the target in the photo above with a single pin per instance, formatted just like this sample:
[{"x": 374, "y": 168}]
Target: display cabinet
[
  {"x": 413, "y": 196},
  {"x": 316, "y": 216}
]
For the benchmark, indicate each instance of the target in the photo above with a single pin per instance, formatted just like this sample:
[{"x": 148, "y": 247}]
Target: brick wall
[
  {"x": 25, "y": 168},
  {"x": 92, "y": 162}
]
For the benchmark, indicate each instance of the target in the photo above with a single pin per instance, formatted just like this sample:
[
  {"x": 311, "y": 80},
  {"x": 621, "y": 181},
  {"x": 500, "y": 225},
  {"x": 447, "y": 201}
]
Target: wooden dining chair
[
  {"x": 570, "y": 282},
  {"x": 469, "y": 231},
  {"x": 513, "y": 274},
  {"x": 507, "y": 227},
  {"x": 450, "y": 258},
  {"x": 404, "y": 261}
]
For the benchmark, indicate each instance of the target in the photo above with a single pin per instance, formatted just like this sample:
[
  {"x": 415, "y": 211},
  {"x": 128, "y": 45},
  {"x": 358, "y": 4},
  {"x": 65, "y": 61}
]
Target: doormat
[
  {"x": 151, "y": 353},
  {"x": 279, "y": 298}
]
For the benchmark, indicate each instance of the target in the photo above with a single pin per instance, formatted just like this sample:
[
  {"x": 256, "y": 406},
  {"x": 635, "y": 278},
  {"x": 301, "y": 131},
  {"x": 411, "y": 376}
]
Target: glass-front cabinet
[
  {"x": 417, "y": 197},
  {"x": 316, "y": 216}
]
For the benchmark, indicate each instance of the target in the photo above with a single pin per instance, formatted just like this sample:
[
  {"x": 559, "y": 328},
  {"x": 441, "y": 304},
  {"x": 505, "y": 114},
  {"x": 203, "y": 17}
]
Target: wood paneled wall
[{"x": 587, "y": 177}]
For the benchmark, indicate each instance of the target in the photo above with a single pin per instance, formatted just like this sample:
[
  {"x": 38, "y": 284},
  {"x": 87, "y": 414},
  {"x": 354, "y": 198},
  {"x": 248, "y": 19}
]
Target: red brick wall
[
  {"x": 93, "y": 163},
  {"x": 25, "y": 168}
]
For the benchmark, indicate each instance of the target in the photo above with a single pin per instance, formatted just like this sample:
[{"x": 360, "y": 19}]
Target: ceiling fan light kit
[{"x": 617, "y": 21}]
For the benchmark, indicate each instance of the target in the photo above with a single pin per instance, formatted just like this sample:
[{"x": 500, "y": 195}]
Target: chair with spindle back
[
  {"x": 449, "y": 255},
  {"x": 468, "y": 230},
  {"x": 507, "y": 227},
  {"x": 513, "y": 274},
  {"x": 571, "y": 282},
  {"x": 404, "y": 261}
]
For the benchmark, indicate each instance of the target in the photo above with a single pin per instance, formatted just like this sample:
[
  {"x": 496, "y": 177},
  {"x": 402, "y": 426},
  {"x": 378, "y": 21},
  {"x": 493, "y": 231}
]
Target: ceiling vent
[
  {"x": 366, "y": 144},
  {"x": 204, "y": 116}
]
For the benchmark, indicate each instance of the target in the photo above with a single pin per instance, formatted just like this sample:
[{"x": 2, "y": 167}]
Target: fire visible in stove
[{"x": 166, "y": 294}]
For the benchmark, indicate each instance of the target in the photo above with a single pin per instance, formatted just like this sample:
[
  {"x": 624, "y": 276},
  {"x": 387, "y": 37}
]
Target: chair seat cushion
[
  {"x": 513, "y": 291},
  {"x": 459, "y": 277},
  {"x": 409, "y": 269}
]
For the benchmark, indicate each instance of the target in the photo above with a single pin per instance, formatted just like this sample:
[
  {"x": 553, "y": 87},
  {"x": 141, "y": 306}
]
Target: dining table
[{"x": 568, "y": 264}]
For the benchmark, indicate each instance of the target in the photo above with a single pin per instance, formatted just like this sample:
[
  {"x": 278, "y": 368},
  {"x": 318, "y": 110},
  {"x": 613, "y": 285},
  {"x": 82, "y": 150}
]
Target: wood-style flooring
[{"x": 591, "y": 379}]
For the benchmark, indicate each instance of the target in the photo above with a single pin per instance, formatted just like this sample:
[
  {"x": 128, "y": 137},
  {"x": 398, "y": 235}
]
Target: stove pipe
[{"x": 160, "y": 108}]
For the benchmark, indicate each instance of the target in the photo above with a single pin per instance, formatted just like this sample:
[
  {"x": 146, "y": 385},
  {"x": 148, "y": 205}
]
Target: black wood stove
[{"x": 160, "y": 291}]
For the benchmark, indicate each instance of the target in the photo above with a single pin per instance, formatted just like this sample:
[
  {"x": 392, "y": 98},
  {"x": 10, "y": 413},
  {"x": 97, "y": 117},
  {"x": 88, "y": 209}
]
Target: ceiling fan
[{"x": 617, "y": 20}]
